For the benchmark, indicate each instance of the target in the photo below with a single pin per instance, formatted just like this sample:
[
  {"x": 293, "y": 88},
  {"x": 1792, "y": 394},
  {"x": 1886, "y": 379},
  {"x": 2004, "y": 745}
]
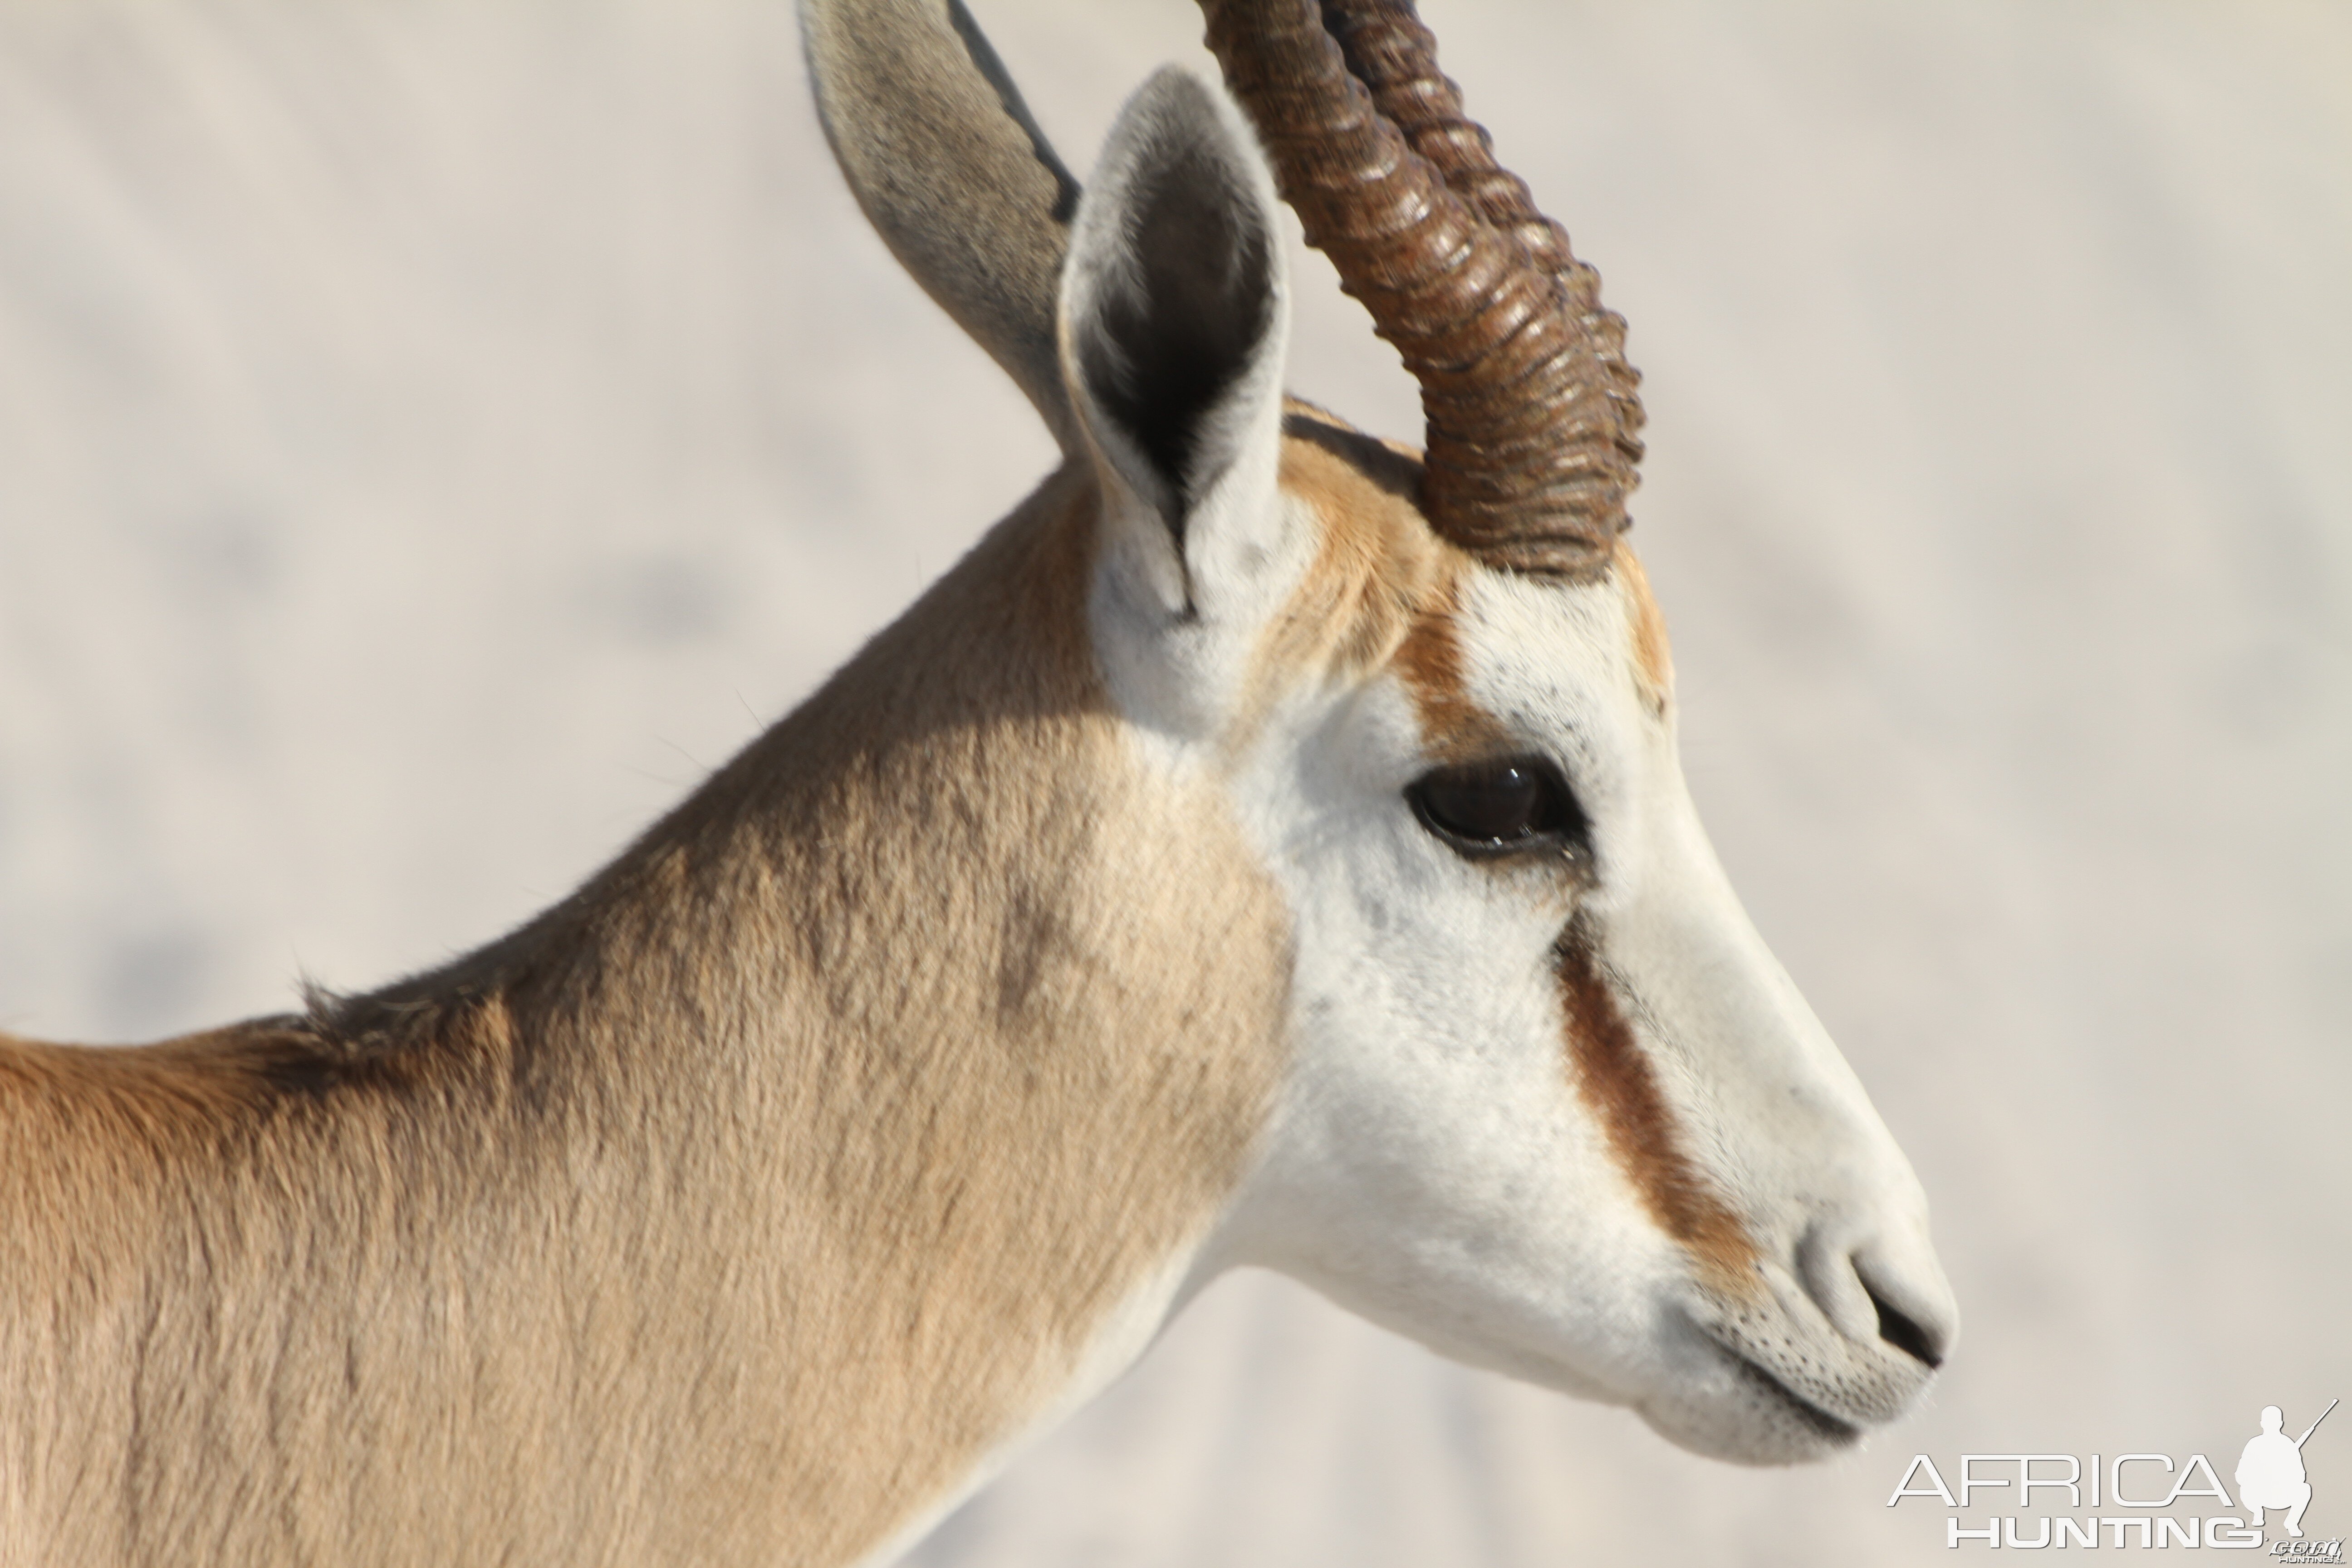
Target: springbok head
[{"x": 1549, "y": 1106}]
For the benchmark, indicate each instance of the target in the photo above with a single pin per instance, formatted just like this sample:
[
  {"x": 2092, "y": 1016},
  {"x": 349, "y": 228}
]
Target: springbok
[{"x": 1267, "y": 847}]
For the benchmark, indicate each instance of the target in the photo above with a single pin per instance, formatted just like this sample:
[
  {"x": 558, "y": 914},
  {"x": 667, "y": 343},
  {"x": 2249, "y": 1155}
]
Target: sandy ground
[{"x": 433, "y": 434}]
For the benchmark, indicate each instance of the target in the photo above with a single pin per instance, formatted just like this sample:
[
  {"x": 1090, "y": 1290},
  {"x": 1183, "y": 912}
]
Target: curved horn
[
  {"x": 952, "y": 171},
  {"x": 1530, "y": 406}
]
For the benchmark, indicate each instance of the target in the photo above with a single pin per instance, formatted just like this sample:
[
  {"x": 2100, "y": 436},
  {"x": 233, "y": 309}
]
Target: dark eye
[{"x": 1506, "y": 807}]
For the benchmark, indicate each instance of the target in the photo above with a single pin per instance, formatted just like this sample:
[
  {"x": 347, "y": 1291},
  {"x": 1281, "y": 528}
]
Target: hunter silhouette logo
[{"x": 2271, "y": 1474}]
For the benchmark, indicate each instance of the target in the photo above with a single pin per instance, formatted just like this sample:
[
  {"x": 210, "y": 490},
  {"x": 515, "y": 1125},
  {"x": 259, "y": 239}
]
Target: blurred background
[{"x": 435, "y": 433}]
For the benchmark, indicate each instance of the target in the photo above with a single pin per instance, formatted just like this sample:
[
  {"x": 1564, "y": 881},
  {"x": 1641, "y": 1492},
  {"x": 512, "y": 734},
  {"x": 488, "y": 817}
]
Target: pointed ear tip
[
  {"x": 1176, "y": 94},
  {"x": 1177, "y": 119},
  {"x": 1174, "y": 81}
]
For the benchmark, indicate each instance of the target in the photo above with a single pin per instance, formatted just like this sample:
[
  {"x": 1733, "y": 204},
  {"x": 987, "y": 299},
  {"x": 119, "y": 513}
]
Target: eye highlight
[{"x": 1515, "y": 805}]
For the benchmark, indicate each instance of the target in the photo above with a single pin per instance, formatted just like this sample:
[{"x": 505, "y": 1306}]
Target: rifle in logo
[{"x": 2271, "y": 1473}]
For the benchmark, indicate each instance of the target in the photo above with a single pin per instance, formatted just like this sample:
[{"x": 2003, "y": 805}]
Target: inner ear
[
  {"x": 1174, "y": 286},
  {"x": 1171, "y": 347}
]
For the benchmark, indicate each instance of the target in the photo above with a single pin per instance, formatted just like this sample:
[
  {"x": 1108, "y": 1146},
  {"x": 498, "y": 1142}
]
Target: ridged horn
[
  {"x": 952, "y": 171},
  {"x": 1531, "y": 409}
]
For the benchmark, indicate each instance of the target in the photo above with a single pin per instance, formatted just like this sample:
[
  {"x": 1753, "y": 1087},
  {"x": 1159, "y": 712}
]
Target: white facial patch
[{"x": 1574, "y": 1124}]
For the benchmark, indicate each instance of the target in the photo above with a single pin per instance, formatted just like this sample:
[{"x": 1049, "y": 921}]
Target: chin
[
  {"x": 1767, "y": 1426},
  {"x": 1732, "y": 1409}
]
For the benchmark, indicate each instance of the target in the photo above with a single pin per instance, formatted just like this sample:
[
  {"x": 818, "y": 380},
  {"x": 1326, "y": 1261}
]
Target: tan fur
[
  {"x": 676, "y": 1226},
  {"x": 728, "y": 1212},
  {"x": 1380, "y": 592},
  {"x": 1377, "y": 565},
  {"x": 1653, "y": 664}
]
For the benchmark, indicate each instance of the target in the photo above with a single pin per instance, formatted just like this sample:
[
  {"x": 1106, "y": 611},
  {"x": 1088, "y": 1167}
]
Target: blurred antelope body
[{"x": 1267, "y": 847}]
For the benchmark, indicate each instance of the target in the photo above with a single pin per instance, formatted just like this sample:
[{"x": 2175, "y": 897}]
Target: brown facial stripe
[
  {"x": 1613, "y": 1077},
  {"x": 1429, "y": 661}
]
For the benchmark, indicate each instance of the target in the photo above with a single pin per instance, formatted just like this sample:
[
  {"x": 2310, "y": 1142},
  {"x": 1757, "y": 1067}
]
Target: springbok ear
[{"x": 1174, "y": 314}]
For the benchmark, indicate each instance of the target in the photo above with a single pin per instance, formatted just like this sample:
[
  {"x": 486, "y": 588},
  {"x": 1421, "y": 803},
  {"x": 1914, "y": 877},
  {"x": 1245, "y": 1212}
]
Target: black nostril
[{"x": 1903, "y": 1334}]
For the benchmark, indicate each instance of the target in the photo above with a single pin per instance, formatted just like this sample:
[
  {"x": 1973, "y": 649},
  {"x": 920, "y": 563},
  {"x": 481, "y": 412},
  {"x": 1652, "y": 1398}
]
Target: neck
[{"x": 868, "y": 1109}]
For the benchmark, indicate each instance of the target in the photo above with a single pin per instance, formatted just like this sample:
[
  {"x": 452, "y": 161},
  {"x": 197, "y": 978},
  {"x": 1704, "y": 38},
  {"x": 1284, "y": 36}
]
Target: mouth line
[{"x": 1834, "y": 1429}]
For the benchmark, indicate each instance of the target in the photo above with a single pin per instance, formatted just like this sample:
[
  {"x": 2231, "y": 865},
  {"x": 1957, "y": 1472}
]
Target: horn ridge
[
  {"x": 1391, "y": 50},
  {"x": 1530, "y": 404}
]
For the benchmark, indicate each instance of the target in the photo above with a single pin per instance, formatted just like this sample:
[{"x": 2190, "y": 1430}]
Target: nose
[
  {"x": 1908, "y": 1333},
  {"x": 1879, "y": 1288}
]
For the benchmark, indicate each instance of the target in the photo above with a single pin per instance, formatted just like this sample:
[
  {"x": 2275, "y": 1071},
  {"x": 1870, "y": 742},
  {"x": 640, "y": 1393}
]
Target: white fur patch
[{"x": 1435, "y": 1166}]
